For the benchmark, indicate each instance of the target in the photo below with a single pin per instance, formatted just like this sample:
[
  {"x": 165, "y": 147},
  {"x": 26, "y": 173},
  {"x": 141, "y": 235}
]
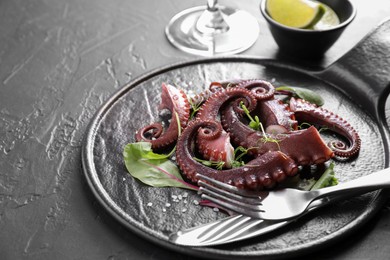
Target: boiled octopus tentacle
[
  {"x": 226, "y": 83},
  {"x": 211, "y": 108},
  {"x": 220, "y": 149},
  {"x": 176, "y": 102},
  {"x": 310, "y": 113},
  {"x": 214, "y": 87},
  {"x": 260, "y": 88},
  {"x": 305, "y": 147},
  {"x": 200, "y": 98},
  {"x": 275, "y": 116},
  {"x": 263, "y": 172}
]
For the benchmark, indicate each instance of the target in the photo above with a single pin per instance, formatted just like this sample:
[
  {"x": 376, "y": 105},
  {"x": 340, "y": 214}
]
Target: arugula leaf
[
  {"x": 151, "y": 168},
  {"x": 303, "y": 93}
]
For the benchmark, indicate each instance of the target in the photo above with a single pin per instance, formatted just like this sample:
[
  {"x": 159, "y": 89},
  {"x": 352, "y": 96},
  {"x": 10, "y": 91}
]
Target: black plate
[{"x": 135, "y": 105}]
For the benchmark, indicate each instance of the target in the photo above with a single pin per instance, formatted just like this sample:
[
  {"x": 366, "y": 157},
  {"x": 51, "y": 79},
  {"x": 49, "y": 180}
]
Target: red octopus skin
[
  {"x": 263, "y": 172},
  {"x": 274, "y": 112},
  {"x": 175, "y": 101},
  {"x": 261, "y": 89},
  {"x": 220, "y": 149},
  {"x": 310, "y": 113},
  {"x": 306, "y": 146},
  {"x": 211, "y": 108}
]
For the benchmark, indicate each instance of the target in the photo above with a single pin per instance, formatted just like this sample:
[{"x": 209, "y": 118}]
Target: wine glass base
[{"x": 242, "y": 34}]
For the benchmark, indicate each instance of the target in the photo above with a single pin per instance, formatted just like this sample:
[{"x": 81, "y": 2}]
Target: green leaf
[
  {"x": 151, "y": 168},
  {"x": 255, "y": 123},
  {"x": 327, "y": 179},
  {"x": 305, "y": 94}
]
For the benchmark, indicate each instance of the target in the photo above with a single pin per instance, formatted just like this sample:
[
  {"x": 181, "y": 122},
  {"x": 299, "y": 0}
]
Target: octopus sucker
[
  {"x": 278, "y": 175},
  {"x": 251, "y": 181},
  {"x": 200, "y": 98}
]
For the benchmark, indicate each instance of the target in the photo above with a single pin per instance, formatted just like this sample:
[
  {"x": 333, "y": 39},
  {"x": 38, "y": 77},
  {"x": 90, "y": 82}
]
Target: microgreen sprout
[
  {"x": 267, "y": 139},
  {"x": 254, "y": 123},
  {"x": 195, "y": 108},
  {"x": 304, "y": 125},
  {"x": 178, "y": 134},
  {"x": 178, "y": 124},
  {"x": 240, "y": 152},
  {"x": 323, "y": 129},
  {"x": 215, "y": 164}
]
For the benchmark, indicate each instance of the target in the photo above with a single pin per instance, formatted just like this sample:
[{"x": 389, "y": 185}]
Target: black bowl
[{"x": 310, "y": 43}]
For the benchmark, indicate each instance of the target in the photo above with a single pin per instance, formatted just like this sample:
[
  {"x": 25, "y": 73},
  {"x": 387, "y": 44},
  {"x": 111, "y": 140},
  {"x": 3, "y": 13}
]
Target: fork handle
[{"x": 371, "y": 182}]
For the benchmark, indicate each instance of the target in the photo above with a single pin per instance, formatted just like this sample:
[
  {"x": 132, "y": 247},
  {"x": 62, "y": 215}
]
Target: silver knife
[{"x": 234, "y": 228}]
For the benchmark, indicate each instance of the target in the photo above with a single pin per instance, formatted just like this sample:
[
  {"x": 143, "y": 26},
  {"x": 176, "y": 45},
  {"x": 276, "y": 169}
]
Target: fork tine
[
  {"x": 230, "y": 197},
  {"x": 240, "y": 225},
  {"x": 217, "y": 231},
  {"x": 231, "y": 188},
  {"x": 207, "y": 188},
  {"x": 241, "y": 209},
  {"x": 227, "y": 230}
]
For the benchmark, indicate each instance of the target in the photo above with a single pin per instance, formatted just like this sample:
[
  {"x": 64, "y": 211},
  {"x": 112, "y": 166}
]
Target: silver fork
[
  {"x": 287, "y": 203},
  {"x": 234, "y": 228}
]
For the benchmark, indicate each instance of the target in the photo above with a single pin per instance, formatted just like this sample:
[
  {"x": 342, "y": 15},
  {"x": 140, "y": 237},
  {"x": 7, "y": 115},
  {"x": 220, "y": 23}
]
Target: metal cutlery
[
  {"x": 234, "y": 228},
  {"x": 286, "y": 203}
]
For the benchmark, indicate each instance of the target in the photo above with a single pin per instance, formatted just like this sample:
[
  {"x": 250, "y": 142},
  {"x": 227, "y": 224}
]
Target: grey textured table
[{"x": 60, "y": 60}]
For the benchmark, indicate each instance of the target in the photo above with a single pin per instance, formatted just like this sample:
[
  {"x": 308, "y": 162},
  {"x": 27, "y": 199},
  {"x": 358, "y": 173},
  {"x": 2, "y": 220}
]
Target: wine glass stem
[
  {"x": 211, "y": 21},
  {"x": 212, "y": 5}
]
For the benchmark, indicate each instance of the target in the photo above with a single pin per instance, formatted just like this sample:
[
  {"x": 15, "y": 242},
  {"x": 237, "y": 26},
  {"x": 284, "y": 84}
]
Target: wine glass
[{"x": 212, "y": 30}]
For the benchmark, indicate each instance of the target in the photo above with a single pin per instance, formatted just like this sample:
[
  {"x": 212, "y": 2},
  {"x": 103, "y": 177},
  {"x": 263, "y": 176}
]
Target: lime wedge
[
  {"x": 295, "y": 13},
  {"x": 328, "y": 20}
]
